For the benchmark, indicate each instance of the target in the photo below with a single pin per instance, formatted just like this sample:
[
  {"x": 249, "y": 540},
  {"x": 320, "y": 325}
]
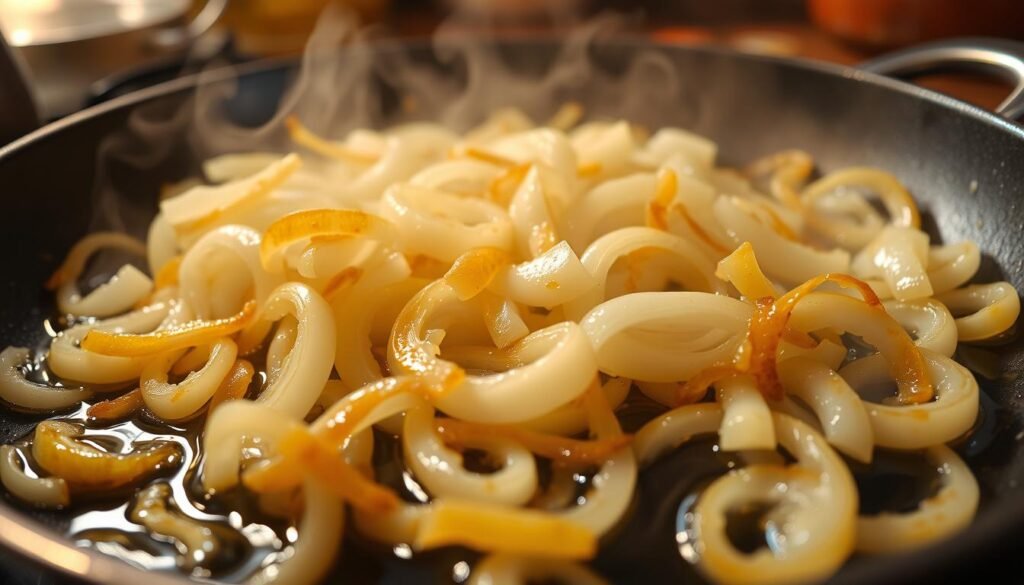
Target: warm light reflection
[{"x": 39, "y": 546}]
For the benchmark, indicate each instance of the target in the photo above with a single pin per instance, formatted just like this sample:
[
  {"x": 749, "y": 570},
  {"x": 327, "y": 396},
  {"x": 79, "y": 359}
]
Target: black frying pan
[{"x": 964, "y": 165}]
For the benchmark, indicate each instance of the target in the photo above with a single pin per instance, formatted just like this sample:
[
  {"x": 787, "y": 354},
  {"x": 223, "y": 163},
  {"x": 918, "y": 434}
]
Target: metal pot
[{"x": 67, "y": 45}]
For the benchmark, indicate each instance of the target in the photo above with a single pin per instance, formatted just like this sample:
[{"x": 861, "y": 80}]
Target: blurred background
[{"x": 63, "y": 55}]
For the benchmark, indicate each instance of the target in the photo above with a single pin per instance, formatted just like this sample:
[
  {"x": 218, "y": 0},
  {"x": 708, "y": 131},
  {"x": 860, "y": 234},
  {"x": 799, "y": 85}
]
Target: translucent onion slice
[
  {"x": 441, "y": 470},
  {"x": 229, "y": 167},
  {"x": 670, "y": 430},
  {"x": 988, "y": 309},
  {"x": 952, "y": 265},
  {"x": 201, "y": 205},
  {"x": 443, "y": 226},
  {"x": 555, "y": 277},
  {"x": 929, "y": 321},
  {"x": 57, "y": 450},
  {"x": 493, "y": 528},
  {"x": 226, "y": 258},
  {"x": 840, "y": 412},
  {"x": 320, "y": 223},
  {"x": 234, "y": 386},
  {"x": 355, "y": 311},
  {"x": 899, "y": 256},
  {"x": 549, "y": 148},
  {"x": 116, "y": 408},
  {"x": 696, "y": 270},
  {"x": 571, "y": 419},
  {"x": 663, "y": 197},
  {"x": 468, "y": 178},
  {"x": 646, "y": 336},
  {"x": 306, "y": 368},
  {"x": 816, "y": 502},
  {"x": 897, "y": 201},
  {"x": 152, "y": 510},
  {"x": 18, "y": 391},
  {"x": 845, "y": 218},
  {"x": 533, "y": 218},
  {"x": 318, "y": 459},
  {"x": 124, "y": 289},
  {"x": 71, "y": 362},
  {"x": 230, "y": 428},
  {"x": 406, "y": 151},
  {"x": 321, "y": 529},
  {"x": 303, "y": 136},
  {"x": 916, "y": 426},
  {"x": 558, "y": 449},
  {"x": 178, "y": 401},
  {"x": 610, "y": 149},
  {"x": 939, "y": 516},
  {"x": 74, "y": 263},
  {"x": 742, "y": 270},
  {"x": 322, "y": 524},
  {"x": 503, "y": 320},
  {"x": 669, "y": 142},
  {"x": 746, "y": 420},
  {"x": 474, "y": 271},
  {"x": 870, "y": 321},
  {"x": 349, "y": 416},
  {"x": 45, "y": 492},
  {"x": 787, "y": 171},
  {"x": 611, "y": 205},
  {"x": 161, "y": 243},
  {"x": 508, "y": 569},
  {"x": 611, "y": 488},
  {"x": 783, "y": 260},
  {"x": 557, "y": 364},
  {"x": 191, "y": 334},
  {"x": 804, "y": 310}
]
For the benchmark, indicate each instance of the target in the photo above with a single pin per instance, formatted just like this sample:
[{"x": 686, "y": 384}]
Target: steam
[{"x": 350, "y": 78}]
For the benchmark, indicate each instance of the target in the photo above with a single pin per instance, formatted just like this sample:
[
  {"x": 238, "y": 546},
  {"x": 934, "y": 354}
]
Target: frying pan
[{"x": 964, "y": 165}]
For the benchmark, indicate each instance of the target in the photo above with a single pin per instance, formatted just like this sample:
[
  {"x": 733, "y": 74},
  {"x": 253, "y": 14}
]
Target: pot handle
[
  {"x": 1002, "y": 58},
  {"x": 179, "y": 37}
]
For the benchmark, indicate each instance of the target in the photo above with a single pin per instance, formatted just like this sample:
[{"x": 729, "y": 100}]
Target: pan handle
[{"x": 1002, "y": 58}]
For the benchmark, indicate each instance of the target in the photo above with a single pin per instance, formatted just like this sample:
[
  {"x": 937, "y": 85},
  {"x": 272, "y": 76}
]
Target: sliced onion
[
  {"x": 900, "y": 256},
  {"x": 57, "y": 450},
  {"x": 443, "y": 226},
  {"x": 939, "y": 516},
  {"x": 198, "y": 206},
  {"x": 840, "y": 412},
  {"x": 993, "y": 309},
  {"x": 119, "y": 294},
  {"x": 746, "y": 420},
  {"x": 440, "y": 468},
  {"x": 225, "y": 258},
  {"x": 557, "y": 364},
  {"x": 555, "y": 277},
  {"x": 71, "y": 362},
  {"x": 178, "y": 401},
  {"x": 783, "y": 260},
  {"x": 46, "y": 492},
  {"x": 916, "y": 426},
  {"x": 650, "y": 336},
  {"x": 16, "y": 390},
  {"x": 307, "y": 367}
]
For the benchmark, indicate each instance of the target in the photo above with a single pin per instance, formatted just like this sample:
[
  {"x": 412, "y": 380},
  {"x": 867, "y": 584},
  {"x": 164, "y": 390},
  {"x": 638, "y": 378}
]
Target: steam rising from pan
[{"x": 350, "y": 78}]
